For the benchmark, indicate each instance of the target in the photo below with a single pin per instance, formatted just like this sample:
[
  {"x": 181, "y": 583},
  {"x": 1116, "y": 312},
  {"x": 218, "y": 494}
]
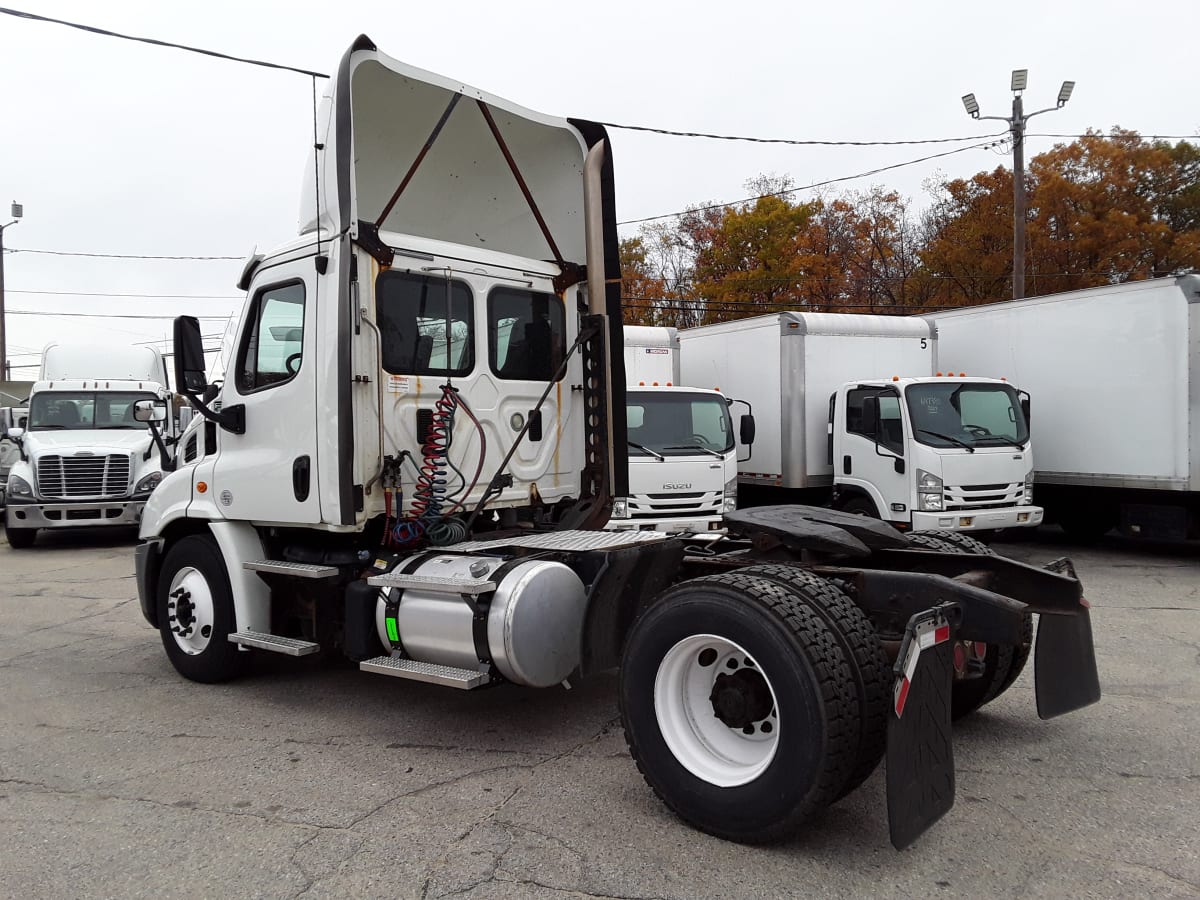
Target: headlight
[
  {"x": 929, "y": 489},
  {"x": 149, "y": 483},
  {"x": 1027, "y": 497},
  {"x": 729, "y": 501},
  {"x": 19, "y": 487},
  {"x": 620, "y": 508}
]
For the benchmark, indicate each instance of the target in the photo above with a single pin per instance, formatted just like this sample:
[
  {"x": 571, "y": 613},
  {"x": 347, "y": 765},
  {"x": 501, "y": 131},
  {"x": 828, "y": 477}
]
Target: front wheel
[
  {"x": 739, "y": 707},
  {"x": 858, "y": 505},
  {"x": 195, "y": 611},
  {"x": 20, "y": 538}
]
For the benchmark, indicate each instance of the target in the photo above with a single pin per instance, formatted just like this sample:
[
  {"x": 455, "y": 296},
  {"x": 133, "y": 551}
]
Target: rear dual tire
[
  {"x": 739, "y": 706},
  {"x": 1002, "y": 663}
]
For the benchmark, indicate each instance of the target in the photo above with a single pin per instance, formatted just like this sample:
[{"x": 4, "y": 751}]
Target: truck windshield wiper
[
  {"x": 1002, "y": 439},
  {"x": 653, "y": 453},
  {"x": 961, "y": 443},
  {"x": 696, "y": 447}
]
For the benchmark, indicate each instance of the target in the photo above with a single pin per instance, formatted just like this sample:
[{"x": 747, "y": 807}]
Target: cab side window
[
  {"x": 272, "y": 347},
  {"x": 527, "y": 334},
  {"x": 426, "y": 324},
  {"x": 890, "y": 432}
]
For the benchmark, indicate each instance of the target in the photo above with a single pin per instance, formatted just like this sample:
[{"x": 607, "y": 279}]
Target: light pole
[
  {"x": 1016, "y": 126},
  {"x": 17, "y": 212}
]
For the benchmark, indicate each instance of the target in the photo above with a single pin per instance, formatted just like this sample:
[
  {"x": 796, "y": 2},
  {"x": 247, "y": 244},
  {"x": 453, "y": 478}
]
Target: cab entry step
[
  {"x": 448, "y": 676},
  {"x": 273, "y": 642},
  {"x": 295, "y": 569}
]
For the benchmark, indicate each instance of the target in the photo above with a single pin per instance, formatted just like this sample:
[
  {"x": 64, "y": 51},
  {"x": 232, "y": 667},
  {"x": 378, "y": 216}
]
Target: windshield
[
  {"x": 955, "y": 414},
  {"x": 78, "y": 410},
  {"x": 677, "y": 424}
]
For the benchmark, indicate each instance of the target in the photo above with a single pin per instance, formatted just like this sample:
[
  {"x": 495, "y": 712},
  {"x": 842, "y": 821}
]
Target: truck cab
[
  {"x": 84, "y": 459},
  {"x": 942, "y": 453},
  {"x": 682, "y": 462}
]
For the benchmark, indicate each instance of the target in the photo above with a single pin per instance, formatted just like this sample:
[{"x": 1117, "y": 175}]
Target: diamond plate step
[
  {"x": 273, "y": 642},
  {"x": 431, "y": 673},
  {"x": 295, "y": 569},
  {"x": 442, "y": 584}
]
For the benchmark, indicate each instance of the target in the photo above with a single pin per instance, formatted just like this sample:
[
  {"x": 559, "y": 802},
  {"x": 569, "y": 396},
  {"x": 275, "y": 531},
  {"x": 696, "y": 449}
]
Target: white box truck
[
  {"x": 436, "y": 514},
  {"x": 682, "y": 444},
  {"x": 851, "y": 411},
  {"x": 1115, "y": 377},
  {"x": 83, "y": 458}
]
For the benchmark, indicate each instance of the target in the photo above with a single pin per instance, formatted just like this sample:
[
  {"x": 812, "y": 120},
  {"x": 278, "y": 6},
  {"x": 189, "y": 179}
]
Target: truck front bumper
[
  {"x": 978, "y": 520},
  {"x": 24, "y": 513}
]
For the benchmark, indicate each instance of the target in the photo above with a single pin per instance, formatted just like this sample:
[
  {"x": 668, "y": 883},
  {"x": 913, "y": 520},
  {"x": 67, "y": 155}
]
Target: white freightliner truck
[
  {"x": 1115, "y": 372},
  {"x": 434, "y": 508},
  {"x": 84, "y": 460},
  {"x": 851, "y": 411},
  {"x": 682, "y": 446}
]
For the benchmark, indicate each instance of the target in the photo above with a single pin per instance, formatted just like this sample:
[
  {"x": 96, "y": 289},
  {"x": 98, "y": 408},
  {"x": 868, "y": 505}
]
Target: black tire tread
[
  {"x": 20, "y": 538},
  {"x": 834, "y": 684},
  {"x": 870, "y": 667}
]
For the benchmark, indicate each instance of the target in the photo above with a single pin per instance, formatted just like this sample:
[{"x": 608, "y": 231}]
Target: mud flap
[
  {"x": 1065, "y": 676},
  {"x": 920, "y": 757}
]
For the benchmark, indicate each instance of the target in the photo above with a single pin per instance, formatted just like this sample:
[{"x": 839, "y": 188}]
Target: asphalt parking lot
[{"x": 120, "y": 779}]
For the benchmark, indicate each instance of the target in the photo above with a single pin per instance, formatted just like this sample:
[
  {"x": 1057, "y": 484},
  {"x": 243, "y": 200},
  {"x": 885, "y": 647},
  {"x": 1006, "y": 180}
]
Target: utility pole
[
  {"x": 1016, "y": 127},
  {"x": 17, "y": 212}
]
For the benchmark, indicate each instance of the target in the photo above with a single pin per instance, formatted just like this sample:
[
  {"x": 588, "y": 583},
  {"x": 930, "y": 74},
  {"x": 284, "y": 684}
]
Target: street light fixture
[
  {"x": 1016, "y": 126},
  {"x": 17, "y": 212}
]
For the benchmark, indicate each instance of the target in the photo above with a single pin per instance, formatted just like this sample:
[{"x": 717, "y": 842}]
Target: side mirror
[
  {"x": 746, "y": 429},
  {"x": 15, "y": 434},
  {"x": 1025, "y": 407},
  {"x": 189, "y": 356},
  {"x": 149, "y": 411},
  {"x": 870, "y": 417}
]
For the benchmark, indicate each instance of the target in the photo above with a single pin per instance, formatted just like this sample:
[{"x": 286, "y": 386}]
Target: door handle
[
  {"x": 300, "y": 478},
  {"x": 846, "y": 464}
]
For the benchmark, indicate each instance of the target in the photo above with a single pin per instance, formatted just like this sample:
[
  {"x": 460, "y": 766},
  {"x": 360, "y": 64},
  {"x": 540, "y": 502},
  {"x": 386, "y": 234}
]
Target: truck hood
[
  {"x": 679, "y": 474},
  {"x": 96, "y": 441},
  {"x": 987, "y": 465}
]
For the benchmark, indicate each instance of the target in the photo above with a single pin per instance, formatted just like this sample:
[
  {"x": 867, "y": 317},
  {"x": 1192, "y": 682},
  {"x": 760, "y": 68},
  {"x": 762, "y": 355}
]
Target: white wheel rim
[
  {"x": 703, "y": 743},
  {"x": 190, "y": 611}
]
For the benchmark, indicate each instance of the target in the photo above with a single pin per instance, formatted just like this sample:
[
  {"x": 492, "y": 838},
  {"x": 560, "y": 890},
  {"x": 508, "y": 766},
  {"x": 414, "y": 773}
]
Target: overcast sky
[{"x": 116, "y": 147}]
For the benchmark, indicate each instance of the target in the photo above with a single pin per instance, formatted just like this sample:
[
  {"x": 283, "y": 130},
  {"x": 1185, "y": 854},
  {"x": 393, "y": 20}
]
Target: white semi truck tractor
[
  {"x": 854, "y": 414},
  {"x": 83, "y": 458},
  {"x": 683, "y": 450},
  {"x": 419, "y": 438}
]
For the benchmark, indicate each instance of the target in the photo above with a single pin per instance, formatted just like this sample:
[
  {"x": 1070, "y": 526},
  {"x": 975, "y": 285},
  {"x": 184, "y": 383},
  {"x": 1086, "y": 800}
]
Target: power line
[
  {"x": 141, "y": 296},
  {"x": 807, "y": 187},
  {"x": 118, "y": 255},
  {"x": 798, "y": 143},
  {"x": 1121, "y": 137},
  {"x": 83, "y": 315},
  {"x": 157, "y": 43}
]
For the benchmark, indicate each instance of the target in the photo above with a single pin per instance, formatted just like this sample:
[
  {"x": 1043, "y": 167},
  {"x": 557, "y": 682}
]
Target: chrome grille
[
  {"x": 983, "y": 496},
  {"x": 78, "y": 477},
  {"x": 650, "y": 506}
]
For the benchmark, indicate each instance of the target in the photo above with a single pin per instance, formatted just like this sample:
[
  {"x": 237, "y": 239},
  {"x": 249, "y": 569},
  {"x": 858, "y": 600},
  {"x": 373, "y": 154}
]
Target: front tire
[
  {"x": 739, "y": 707},
  {"x": 195, "y": 612},
  {"x": 858, "y": 505},
  {"x": 20, "y": 538}
]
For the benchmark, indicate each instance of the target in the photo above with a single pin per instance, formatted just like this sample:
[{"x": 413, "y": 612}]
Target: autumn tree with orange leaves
[{"x": 1102, "y": 209}]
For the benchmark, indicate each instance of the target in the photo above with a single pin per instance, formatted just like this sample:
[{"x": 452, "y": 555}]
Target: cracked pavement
[{"x": 120, "y": 779}]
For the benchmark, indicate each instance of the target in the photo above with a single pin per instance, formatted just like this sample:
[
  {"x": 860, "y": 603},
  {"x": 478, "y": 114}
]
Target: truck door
[
  {"x": 269, "y": 473},
  {"x": 871, "y": 442}
]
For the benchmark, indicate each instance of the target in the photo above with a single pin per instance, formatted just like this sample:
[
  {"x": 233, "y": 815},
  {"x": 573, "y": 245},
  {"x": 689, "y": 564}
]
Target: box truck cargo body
[
  {"x": 849, "y": 409},
  {"x": 1115, "y": 377}
]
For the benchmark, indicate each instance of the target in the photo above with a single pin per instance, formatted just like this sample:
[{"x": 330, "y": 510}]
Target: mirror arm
[
  {"x": 164, "y": 456},
  {"x": 231, "y": 418}
]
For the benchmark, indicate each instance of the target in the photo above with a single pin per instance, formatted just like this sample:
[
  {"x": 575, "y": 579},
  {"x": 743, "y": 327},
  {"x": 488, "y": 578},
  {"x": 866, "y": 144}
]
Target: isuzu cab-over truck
[
  {"x": 419, "y": 438},
  {"x": 852, "y": 412},
  {"x": 683, "y": 452},
  {"x": 84, "y": 460}
]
